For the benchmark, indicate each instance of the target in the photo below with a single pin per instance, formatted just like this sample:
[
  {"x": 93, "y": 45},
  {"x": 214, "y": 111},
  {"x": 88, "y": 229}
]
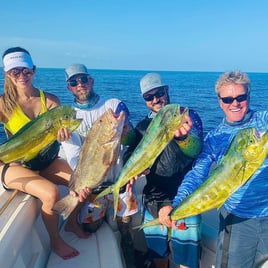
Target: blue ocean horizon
[{"x": 192, "y": 89}]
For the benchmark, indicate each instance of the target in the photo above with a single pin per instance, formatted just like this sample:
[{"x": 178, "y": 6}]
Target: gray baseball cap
[
  {"x": 150, "y": 81},
  {"x": 75, "y": 69}
]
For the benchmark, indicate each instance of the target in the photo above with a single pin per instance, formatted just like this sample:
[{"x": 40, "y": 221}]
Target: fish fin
[
  {"x": 72, "y": 180},
  {"x": 108, "y": 158},
  {"x": 116, "y": 198},
  {"x": 243, "y": 168},
  {"x": 108, "y": 190},
  {"x": 65, "y": 206},
  {"x": 150, "y": 223}
]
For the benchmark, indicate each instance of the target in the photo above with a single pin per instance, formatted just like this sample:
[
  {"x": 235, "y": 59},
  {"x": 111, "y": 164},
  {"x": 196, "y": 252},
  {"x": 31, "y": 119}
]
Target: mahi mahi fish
[
  {"x": 38, "y": 134},
  {"x": 98, "y": 155},
  {"x": 158, "y": 134},
  {"x": 244, "y": 156}
]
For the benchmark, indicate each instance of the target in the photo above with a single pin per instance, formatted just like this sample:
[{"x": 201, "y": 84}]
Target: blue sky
[{"x": 180, "y": 35}]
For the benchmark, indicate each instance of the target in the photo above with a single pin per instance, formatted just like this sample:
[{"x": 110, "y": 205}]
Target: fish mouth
[
  {"x": 259, "y": 134},
  {"x": 119, "y": 116},
  {"x": 74, "y": 116},
  {"x": 183, "y": 111}
]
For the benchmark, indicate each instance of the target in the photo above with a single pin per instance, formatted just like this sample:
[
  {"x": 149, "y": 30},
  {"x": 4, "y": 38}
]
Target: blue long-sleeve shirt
[{"x": 251, "y": 199}]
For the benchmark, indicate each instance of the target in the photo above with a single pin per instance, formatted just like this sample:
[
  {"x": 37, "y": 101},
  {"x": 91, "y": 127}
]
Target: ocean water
[{"x": 192, "y": 89}]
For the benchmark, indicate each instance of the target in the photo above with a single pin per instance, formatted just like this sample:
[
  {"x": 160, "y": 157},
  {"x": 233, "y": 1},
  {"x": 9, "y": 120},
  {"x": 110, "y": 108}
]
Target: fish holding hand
[
  {"x": 38, "y": 134},
  {"x": 97, "y": 157},
  {"x": 158, "y": 134}
]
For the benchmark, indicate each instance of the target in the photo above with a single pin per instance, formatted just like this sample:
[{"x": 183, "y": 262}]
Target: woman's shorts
[{"x": 44, "y": 158}]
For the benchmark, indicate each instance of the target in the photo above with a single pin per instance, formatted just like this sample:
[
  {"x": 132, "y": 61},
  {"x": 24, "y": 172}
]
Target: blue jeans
[{"x": 242, "y": 242}]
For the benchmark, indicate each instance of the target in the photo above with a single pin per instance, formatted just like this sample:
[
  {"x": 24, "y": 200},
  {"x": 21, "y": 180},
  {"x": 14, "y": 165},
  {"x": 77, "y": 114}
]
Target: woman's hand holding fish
[
  {"x": 185, "y": 128},
  {"x": 164, "y": 217},
  {"x": 63, "y": 134}
]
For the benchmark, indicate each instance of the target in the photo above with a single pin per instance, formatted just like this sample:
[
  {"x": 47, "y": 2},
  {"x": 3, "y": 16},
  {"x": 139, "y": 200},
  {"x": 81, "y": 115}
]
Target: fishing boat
[{"x": 24, "y": 242}]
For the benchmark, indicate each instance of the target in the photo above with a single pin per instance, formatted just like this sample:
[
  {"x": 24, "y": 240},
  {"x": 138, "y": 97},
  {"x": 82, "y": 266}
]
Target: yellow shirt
[{"x": 18, "y": 118}]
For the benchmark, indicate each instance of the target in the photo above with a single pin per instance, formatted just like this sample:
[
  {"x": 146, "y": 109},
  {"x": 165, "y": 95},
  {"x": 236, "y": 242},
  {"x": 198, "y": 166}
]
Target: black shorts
[
  {"x": 40, "y": 162},
  {"x": 44, "y": 158}
]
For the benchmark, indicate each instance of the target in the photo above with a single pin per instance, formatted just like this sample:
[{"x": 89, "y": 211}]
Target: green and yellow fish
[
  {"x": 38, "y": 134},
  {"x": 158, "y": 134},
  {"x": 246, "y": 153}
]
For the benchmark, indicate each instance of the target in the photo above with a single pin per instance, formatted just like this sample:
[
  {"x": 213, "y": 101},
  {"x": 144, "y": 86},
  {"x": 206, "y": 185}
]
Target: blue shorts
[
  {"x": 183, "y": 244},
  {"x": 242, "y": 242}
]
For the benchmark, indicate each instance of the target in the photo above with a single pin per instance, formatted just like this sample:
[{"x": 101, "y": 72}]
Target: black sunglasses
[
  {"x": 17, "y": 71},
  {"x": 158, "y": 94},
  {"x": 229, "y": 100},
  {"x": 82, "y": 80}
]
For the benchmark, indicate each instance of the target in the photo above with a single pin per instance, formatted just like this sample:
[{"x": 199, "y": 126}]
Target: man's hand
[
  {"x": 63, "y": 135},
  {"x": 185, "y": 128},
  {"x": 84, "y": 193},
  {"x": 164, "y": 217},
  {"x": 132, "y": 181},
  {"x": 129, "y": 186}
]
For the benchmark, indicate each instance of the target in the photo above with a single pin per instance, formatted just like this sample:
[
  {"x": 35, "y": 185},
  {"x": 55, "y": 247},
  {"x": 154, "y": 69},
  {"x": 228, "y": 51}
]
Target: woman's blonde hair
[{"x": 8, "y": 101}]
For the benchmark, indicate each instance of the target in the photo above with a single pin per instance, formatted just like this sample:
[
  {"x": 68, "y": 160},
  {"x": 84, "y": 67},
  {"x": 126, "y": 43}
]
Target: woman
[{"x": 20, "y": 103}]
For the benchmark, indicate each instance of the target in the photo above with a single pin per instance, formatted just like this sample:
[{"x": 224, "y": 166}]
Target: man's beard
[{"x": 82, "y": 97}]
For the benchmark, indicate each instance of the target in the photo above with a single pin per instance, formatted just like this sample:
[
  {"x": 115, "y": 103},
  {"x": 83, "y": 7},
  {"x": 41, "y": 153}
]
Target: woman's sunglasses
[
  {"x": 15, "y": 72},
  {"x": 229, "y": 100},
  {"x": 82, "y": 80}
]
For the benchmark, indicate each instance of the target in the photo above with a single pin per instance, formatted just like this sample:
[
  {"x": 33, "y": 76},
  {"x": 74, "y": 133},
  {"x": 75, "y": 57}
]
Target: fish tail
[
  {"x": 150, "y": 223},
  {"x": 108, "y": 190},
  {"x": 65, "y": 206}
]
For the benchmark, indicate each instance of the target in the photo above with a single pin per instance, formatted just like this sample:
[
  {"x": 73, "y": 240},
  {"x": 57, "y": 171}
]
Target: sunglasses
[
  {"x": 15, "y": 72},
  {"x": 229, "y": 100},
  {"x": 158, "y": 94},
  {"x": 82, "y": 80}
]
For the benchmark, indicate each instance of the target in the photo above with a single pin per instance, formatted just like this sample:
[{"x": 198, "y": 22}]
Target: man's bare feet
[
  {"x": 76, "y": 229},
  {"x": 62, "y": 249}
]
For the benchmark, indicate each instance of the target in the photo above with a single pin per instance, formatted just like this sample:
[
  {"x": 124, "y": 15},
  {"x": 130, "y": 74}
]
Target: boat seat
[{"x": 24, "y": 241}]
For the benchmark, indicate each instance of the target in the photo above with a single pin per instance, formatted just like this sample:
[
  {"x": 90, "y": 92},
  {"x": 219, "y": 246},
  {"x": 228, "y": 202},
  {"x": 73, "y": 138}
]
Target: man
[
  {"x": 163, "y": 180},
  {"x": 243, "y": 236},
  {"x": 90, "y": 106}
]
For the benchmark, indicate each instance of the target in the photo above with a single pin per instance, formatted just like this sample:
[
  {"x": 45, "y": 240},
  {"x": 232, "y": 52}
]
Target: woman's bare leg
[{"x": 23, "y": 179}]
